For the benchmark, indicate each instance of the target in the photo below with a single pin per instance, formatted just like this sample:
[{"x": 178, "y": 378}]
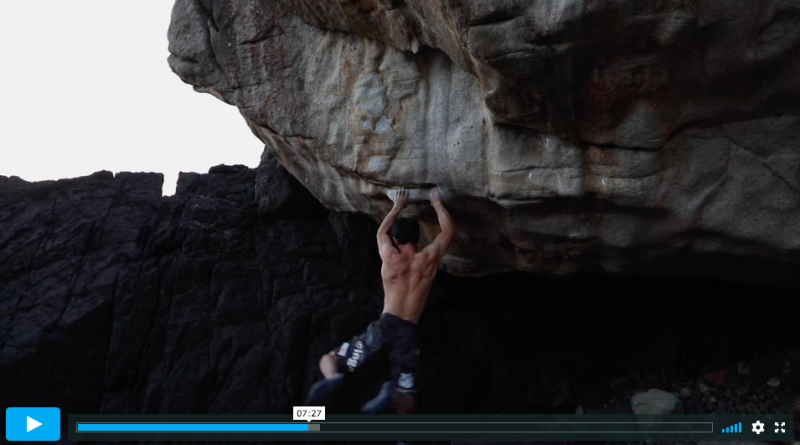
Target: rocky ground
[{"x": 767, "y": 383}]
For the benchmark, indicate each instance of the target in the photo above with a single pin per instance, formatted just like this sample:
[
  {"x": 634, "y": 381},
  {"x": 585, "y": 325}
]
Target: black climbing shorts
[{"x": 389, "y": 333}]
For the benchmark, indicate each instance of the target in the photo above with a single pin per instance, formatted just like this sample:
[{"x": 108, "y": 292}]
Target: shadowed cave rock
[{"x": 220, "y": 299}]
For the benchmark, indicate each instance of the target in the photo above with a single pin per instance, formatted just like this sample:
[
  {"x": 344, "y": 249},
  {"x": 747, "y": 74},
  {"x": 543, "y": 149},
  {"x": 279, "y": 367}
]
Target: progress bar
[
  {"x": 194, "y": 427},
  {"x": 520, "y": 427},
  {"x": 403, "y": 427}
]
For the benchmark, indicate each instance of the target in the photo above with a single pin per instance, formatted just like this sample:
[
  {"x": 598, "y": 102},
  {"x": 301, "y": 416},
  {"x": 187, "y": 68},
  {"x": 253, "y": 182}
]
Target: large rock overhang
[{"x": 650, "y": 137}]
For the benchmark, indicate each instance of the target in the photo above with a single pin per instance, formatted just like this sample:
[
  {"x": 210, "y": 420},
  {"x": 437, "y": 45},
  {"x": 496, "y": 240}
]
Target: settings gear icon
[{"x": 758, "y": 427}]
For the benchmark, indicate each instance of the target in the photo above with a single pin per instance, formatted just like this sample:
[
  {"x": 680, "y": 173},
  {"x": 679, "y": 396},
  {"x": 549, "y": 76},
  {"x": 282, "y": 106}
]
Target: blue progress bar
[{"x": 189, "y": 427}]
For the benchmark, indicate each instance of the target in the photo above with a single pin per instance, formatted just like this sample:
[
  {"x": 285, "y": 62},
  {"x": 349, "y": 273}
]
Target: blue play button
[{"x": 27, "y": 424}]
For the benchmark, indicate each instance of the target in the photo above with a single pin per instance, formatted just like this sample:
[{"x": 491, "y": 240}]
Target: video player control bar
[{"x": 255, "y": 427}]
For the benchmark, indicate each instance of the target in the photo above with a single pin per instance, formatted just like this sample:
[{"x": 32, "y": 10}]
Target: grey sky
[{"x": 87, "y": 87}]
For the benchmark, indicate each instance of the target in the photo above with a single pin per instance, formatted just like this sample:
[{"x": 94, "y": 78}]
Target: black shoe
[
  {"x": 380, "y": 401},
  {"x": 403, "y": 402},
  {"x": 319, "y": 392}
]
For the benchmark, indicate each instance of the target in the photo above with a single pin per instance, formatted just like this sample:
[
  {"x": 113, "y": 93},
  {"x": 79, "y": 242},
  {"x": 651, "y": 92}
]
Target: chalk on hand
[{"x": 414, "y": 194}]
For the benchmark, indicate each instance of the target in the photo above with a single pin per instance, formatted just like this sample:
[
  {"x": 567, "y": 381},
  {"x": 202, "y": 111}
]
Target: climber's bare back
[
  {"x": 407, "y": 273},
  {"x": 407, "y": 278}
]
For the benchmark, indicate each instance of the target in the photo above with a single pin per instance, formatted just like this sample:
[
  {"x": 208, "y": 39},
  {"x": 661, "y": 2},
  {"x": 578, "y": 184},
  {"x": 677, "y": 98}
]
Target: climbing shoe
[
  {"x": 380, "y": 401},
  {"x": 319, "y": 392}
]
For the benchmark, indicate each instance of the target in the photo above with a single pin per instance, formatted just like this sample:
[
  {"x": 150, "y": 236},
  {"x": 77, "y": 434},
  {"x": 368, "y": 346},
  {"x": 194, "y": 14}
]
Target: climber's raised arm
[
  {"x": 384, "y": 240},
  {"x": 442, "y": 241}
]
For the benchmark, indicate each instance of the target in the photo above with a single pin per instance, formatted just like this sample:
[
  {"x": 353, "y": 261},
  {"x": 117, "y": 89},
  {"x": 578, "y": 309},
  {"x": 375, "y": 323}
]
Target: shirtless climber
[{"x": 407, "y": 277}]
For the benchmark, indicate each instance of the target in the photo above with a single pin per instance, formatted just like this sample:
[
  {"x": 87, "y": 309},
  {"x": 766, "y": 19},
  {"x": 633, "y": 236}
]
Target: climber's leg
[
  {"x": 404, "y": 356},
  {"x": 400, "y": 337},
  {"x": 319, "y": 391},
  {"x": 349, "y": 356},
  {"x": 328, "y": 365}
]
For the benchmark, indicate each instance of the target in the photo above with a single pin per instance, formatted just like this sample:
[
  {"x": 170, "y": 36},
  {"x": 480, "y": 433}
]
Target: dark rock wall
[
  {"x": 220, "y": 299},
  {"x": 65, "y": 248},
  {"x": 212, "y": 300}
]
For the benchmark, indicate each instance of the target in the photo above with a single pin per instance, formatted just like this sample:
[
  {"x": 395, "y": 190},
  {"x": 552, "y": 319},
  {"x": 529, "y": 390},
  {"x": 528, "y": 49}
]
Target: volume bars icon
[{"x": 737, "y": 428}]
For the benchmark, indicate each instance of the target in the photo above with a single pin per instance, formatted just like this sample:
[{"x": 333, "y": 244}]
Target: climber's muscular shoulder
[{"x": 410, "y": 268}]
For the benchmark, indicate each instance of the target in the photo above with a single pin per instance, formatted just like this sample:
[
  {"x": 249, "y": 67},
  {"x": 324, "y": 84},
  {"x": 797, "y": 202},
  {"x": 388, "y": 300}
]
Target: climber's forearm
[
  {"x": 446, "y": 224},
  {"x": 387, "y": 223}
]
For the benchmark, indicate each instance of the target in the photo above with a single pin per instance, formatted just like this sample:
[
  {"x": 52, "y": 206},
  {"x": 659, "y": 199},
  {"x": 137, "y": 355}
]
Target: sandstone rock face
[{"x": 602, "y": 135}]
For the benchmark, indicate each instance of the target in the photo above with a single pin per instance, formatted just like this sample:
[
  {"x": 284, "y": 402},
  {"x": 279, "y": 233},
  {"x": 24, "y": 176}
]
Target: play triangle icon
[{"x": 33, "y": 424}]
